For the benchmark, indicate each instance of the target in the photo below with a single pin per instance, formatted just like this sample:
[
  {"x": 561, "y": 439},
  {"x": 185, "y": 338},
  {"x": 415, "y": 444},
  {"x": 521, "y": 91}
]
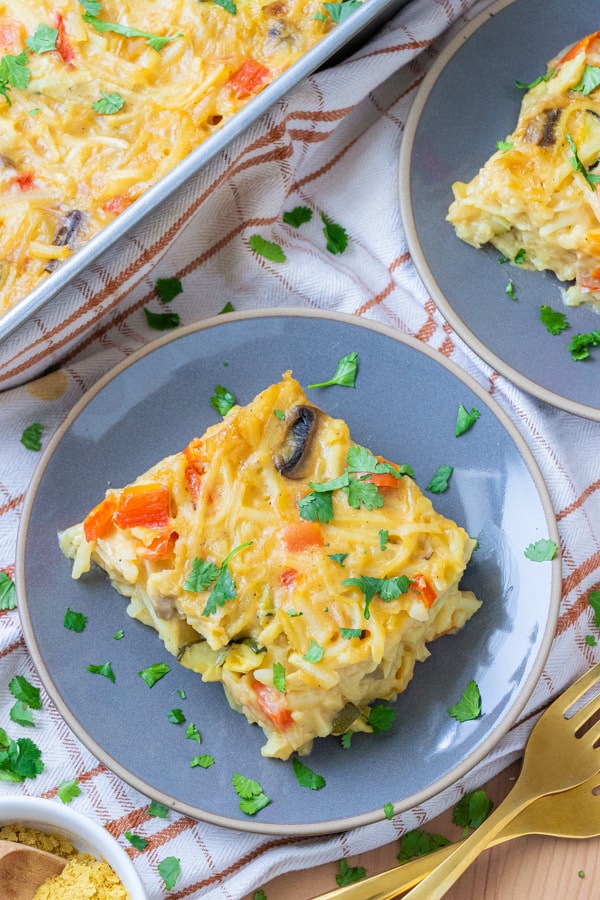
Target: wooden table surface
[{"x": 530, "y": 868}]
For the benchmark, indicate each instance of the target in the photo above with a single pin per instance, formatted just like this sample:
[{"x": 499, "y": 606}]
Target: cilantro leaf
[
  {"x": 32, "y": 436},
  {"x": 441, "y": 479},
  {"x": 349, "y": 633},
  {"x": 297, "y": 216},
  {"x": 589, "y": 80},
  {"x": 554, "y": 321},
  {"x": 269, "y": 249},
  {"x": 594, "y": 601},
  {"x": 154, "y": 673},
  {"x": 469, "y": 705},
  {"x": 19, "y": 759},
  {"x": 279, "y": 676},
  {"x": 465, "y": 419},
  {"x": 388, "y": 809},
  {"x": 204, "y": 761},
  {"x": 504, "y": 145},
  {"x": 339, "y": 12},
  {"x": 314, "y": 654},
  {"x": 522, "y": 85},
  {"x": 345, "y": 373},
  {"x": 581, "y": 343},
  {"x": 252, "y": 797},
  {"x": 316, "y": 506},
  {"x": 176, "y": 716},
  {"x": 227, "y": 5},
  {"x": 23, "y": 690},
  {"x": 306, "y": 777},
  {"x": 192, "y": 733},
  {"x": 224, "y": 588},
  {"x": 381, "y": 718},
  {"x": 387, "y": 588},
  {"x": 336, "y": 237},
  {"x": 361, "y": 491},
  {"x": 161, "y": 321},
  {"x": 591, "y": 179},
  {"x": 384, "y": 536},
  {"x": 108, "y": 104},
  {"x": 169, "y": 870},
  {"x": 136, "y": 840},
  {"x": 471, "y": 810},
  {"x": 202, "y": 575},
  {"x": 157, "y": 809},
  {"x": 419, "y": 843},
  {"x": 74, "y": 621},
  {"x": 42, "y": 40},
  {"x": 14, "y": 70},
  {"x": 222, "y": 400},
  {"x": 105, "y": 669},
  {"x": 21, "y": 714},
  {"x": 543, "y": 550},
  {"x": 338, "y": 558},
  {"x": 349, "y": 874},
  {"x": 590, "y": 640},
  {"x": 68, "y": 790},
  {"x": 167, "y": 289},
  {"x": 93, "y": 7},
  {"x": 153, "y": 40},
  {"x": 520, "y": 256},
  {"x": 229, "y": 307},
  {"x": 8, "y": 592},
  {"x": 510, "y": 289},
  {"x": 345, "y": 739}
]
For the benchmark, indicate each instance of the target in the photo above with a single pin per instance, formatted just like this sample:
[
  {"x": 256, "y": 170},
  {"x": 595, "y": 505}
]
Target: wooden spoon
[{"x": 23, "y": 869}]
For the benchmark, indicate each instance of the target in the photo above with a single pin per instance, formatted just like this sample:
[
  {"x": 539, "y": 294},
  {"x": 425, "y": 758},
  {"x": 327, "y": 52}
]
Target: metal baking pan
[{"x": 342, "y": 41}]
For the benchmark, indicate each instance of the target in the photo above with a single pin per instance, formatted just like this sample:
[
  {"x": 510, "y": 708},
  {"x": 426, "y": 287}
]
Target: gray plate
[
  {"x": 404, "y": 407},
  {"x": 467, "y": 102}
]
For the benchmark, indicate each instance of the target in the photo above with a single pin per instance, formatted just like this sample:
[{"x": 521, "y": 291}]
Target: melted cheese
[
  {"x": 299, "y": 646},
  {"x": 59, "y": 155},
  {"x": 534, "y": 196}
]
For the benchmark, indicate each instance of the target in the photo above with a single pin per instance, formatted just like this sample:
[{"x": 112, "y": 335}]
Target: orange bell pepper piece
[
  {"x": 99, "y": 520},
  {"x": 425, "y": 592},
  {"x": 250, "y": 76},
  {"x": 146, "y": 505},
  {"x": 301, "y": 535}
]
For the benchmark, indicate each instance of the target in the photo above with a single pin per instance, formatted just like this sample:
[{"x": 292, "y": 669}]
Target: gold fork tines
[{"x": 559, "y": 755}]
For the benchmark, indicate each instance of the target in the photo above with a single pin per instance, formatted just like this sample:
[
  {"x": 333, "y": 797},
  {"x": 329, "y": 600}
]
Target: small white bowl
[{"x": 85, "y": 834}]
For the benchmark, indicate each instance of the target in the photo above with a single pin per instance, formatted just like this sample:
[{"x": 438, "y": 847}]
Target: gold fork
[
  {"x": 574, "y": 813},
  {"x": 559, "y": 754}
]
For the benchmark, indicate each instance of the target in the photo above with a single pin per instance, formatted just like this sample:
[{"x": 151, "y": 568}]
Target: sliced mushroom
[
  {"x": 65, "y": 233},
  {"x": 292, "y": 458},
  {"x": 540, "y": 129}
]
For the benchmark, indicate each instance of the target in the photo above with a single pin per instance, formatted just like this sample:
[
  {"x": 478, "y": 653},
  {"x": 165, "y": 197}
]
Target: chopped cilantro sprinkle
[
  {"x": 269, "y": 249},
  {"x": 349, "y": 874},
  {"x": 8, "y": 592},
  {"x": 32, "y": 436},
  {"x": 554, "y": 321},
  {"x": 68, "y": 790},
  {"x": 306, "y": 777},
  {"x": 105, "y": 669},
  {"x": 154, "y": 673},
  {"x": 469, "y": 705},
  {"x": 543, "y": 550}
]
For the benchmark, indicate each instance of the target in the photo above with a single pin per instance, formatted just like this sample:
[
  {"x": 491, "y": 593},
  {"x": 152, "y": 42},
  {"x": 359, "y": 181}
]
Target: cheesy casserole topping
[
  {"x": 279, "y": 558},
  {"x": 99, "y": 100},
  {"x": 538, "y": 197}
]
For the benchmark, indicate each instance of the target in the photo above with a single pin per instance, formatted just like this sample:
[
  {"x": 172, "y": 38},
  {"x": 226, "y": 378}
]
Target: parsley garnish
[
  {"x": 581, "y": 343},
  {"x": 136, "y": 840},
  {"x": 387, "y": 588},
  {"x": 252, "y": 797},
  {"x": 504, "y": 145},
  {"x": 19, "y": 759},
  {"x": 349, "y": 874},
  {"x": 25, "y": 692},
  {"x": 388, "y": 810},
  {"x": 269, "y": 249},
  {"x": 381, "y": 718},
  {"x": 594, "y": 601},
  {"x": 42, "y": 40},
  {"x": 543, "y": 550},
  {"x": 554, "y": 321},
  {"x": 297, "y": 216},
  {"x": 118, "y": 635},
  {"x": 279, "y": 676},
  {"x": 469, "y": 705},
  {"x": 169, "y": 870},
  {"x": 229, "y": 307},
  {"x": 14, "y": 72},
  {"x": 105, "y": 669},
  {"x": 192, "y": 733},
  {"x": 260, "y": 895},
  {"x": 21, "y": 714},
  {"x": 68, "y": 790},
  {"x": 167, "y": 289},
  {"x": 204, "y": 574},
  {"x": 204, "y": 761},
  {"x": 222, "y": 400},
  {"x": 591, "y": 640},
  {"x": 510, "y": 289},
  {"x": 589, "y": 81},
  {"x": 153, "y": 40},
  {"x": 345, "y": 373},
  {"x": 32, "y": 436},
  {"x": 338, "y": 558},
  {"x": 383, "y": 538},
  {"x": 465, "y": 419},
  {"x": 440, "y": 481},
  {"x": 157, "y": 809},
  {"x": 578, "y": 166},
  {"x": 74, "y": 621},
  {"x": 8, "y": 592},
  {"x": 520, "y": 256},
  {"x": 161, "y": 321},
  {"x": 314, "y": 654},
  {"x": 339, "y": 12},
  {"x": 108, "y": 104},
  {"x": 93, "y": 7},
  {"x": 228, "y": 5},
  {"x": 154, "y": 673},
  {"x": 526, "y": 87},
  {"x": 316, "y": 506},
  {"x": 336, "y": 237},
  {"x": 306, "y": 777},
  {"x": 471, "y": 810},
  {"x": 345, "y": 739},
  {"x": 419, "y": 843},
  {"x": 176, "y": 716},
  {"x": 349, "y": 633}
]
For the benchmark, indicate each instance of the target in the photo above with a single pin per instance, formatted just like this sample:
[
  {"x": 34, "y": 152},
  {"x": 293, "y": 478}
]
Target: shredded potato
[
  {"x": 66, "y": 168},
  {"x": 296, "y": 642}
]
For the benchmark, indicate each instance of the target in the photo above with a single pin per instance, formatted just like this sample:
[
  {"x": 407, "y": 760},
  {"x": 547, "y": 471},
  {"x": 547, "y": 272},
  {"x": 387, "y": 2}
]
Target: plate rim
[
  {"x": 307, "y": 829},
  {"x": 414, "y": 245}
]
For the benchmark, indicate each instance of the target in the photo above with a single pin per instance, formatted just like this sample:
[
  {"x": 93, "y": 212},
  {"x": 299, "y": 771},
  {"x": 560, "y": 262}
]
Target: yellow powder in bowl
[{"x": 83, "y": 878}]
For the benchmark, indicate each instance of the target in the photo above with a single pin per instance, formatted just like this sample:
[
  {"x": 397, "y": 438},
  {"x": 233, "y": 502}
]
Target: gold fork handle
[{"x": 435, "y": 885}]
